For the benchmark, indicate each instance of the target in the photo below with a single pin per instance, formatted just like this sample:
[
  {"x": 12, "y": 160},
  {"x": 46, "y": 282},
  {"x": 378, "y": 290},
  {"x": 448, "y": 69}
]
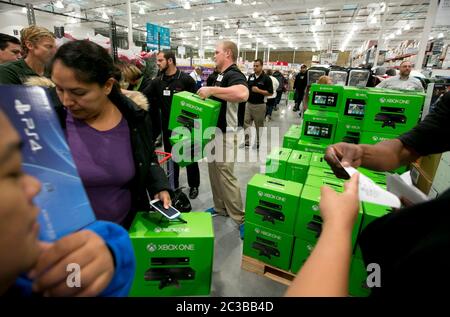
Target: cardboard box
[
  {"x": 185, "y": 151},
  {"x": 321, "y": 172},
  {"x": 190, "y": 111},
  {"x": 64, "y": 205},
  {"x": 358, "y": 279},
  {"x": 309, "y": 222},
  {"x": 371, "y": 212},
  {"x": 354, "y": 103},
  {"x": 318, "y": 160},
  {"x": 420, "y": 179},
  {"x": 441, "y": 180},
  {"x": 272, "y": 203},
  {"x": 392, "y": 112},
  {"x": 276, "y": 162},
  {"x": 349, "y": 132},
  {"x": 316, "y": 181},
  {"x": 310, "y": 146},
  {"x": 297, "y": 166},
  {"x": 325, "y": 97},
  {"x": 319, "y": 126},
  {"x": 291, "y": 138},
  {"x": 302, "y": 250},
  {"x": 269, "y": 246},
  {"x": 172, "y": 258},
  {"x": 429, "y": 164}
]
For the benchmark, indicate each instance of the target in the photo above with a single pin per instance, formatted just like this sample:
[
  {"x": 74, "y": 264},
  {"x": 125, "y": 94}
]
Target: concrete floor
[{"x": 228, "y": 277}]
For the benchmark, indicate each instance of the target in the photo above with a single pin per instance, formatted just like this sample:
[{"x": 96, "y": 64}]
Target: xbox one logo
[
  {"x": 315, "y": 207},
  {"x": 257, "y": 231},
  {"x": 260, "y": 193},
  {"x": 375, "y": 138},
  {"x": 151, "y": 247},
  {"x": 183, "y": 103},
  {"x": 157, "y": 230},
  {"x": 382, "y": 100}
]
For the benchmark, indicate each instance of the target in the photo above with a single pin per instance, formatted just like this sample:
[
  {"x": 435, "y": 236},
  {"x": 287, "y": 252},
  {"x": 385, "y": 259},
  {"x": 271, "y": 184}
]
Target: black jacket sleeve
[
  {"x": 432, "y": 134},
  {"x": 157, "y": 177}
]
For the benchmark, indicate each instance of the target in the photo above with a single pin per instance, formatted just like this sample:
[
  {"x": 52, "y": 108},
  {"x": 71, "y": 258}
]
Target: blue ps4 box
[{"x": 63, "y": 201}]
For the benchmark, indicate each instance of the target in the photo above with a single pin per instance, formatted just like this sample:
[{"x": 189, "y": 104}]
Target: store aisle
[{"x": 228, "y": 277}]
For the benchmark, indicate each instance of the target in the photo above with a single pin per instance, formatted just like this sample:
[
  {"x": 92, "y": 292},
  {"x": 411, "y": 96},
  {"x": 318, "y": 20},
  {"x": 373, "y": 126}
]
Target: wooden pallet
[{"x": 278, "y": 275}]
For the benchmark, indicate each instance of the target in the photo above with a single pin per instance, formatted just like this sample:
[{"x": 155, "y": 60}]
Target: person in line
[
  {"x": 9, "y": 48},
  {"x": 38, "y": 46},
  {"x": 270, "y": 104},
  {"x": 230, "y": 88},
  {"x": 300, "y": 83},
  {"x": 135, "y": 80},
  {"x": 403, "y": 81},
  {"x": 196, "y": 75},
  {"x": 110, "y": 136},
  {"x": 103, "y": 249},
  {"x": 260, "y": 86},
  {"x": 170, "y": 81}
]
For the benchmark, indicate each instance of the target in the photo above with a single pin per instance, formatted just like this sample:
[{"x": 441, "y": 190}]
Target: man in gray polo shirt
[{"x": 403, "y": 81}]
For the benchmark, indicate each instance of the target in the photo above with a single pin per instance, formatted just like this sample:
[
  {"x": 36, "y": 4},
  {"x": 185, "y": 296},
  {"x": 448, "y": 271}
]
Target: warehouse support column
[
  {"x": 130, "y": 25},
  {"x": 431, "y": 16}
]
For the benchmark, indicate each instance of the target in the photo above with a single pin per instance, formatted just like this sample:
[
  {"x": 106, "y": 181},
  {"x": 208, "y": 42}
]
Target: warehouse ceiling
[{"x": 280, "y": 24}]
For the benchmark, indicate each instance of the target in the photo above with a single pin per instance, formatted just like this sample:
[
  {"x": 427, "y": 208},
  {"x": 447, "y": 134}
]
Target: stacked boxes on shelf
[{"x": 282, "y": 209}]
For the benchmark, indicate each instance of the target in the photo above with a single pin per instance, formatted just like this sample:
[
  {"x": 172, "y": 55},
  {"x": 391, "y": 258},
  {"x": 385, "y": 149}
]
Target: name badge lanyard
[{"x": 168, "y": 92}]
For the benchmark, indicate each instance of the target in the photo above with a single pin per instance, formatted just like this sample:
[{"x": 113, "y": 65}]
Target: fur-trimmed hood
[{"x": 137, "y": 97}]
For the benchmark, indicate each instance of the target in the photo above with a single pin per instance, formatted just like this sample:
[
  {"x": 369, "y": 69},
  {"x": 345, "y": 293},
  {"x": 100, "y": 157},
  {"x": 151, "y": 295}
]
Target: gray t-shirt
[{"x": 403, "y": 84}]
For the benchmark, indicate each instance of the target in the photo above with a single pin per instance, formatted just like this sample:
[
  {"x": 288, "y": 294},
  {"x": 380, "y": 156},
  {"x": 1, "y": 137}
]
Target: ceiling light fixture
[
  {"x": 407, "y": 27},
  {"x": 211, "y": 18},
  {"x": 141, "y": 10},
  {"x": 255, "y": 15},
  {"x": 238, "y": 2},
  {"x": 187, "y": 5},
  {"x": 104, "y": 16},
  {"x": 440, "y": 35},
  {"x": 399, "y": 32},
  {"x": 267, "y": 24},
  {"x": 59, "y": 4},
  {"x": 316, "y": 11}
]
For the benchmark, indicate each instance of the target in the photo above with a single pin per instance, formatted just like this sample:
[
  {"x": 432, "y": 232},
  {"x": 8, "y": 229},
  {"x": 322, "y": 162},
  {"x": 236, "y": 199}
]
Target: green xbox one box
[
  {"x": 272, "y": 203},
  {"x": 173, "y": 258},
  {"x": 269, "y": 246}
]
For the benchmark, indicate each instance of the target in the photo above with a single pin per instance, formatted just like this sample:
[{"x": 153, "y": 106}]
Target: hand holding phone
[{"x": 169, "y": 213}]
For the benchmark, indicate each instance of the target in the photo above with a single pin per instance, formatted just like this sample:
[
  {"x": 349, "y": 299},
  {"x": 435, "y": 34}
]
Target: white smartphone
[{"x": 169, "y": 213}]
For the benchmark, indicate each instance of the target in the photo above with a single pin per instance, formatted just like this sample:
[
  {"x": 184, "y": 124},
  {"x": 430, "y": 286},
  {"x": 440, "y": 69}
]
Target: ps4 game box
[{"x": 64, "y": 205}]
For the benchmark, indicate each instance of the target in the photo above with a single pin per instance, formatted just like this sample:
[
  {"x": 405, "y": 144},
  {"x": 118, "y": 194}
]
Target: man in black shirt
[
  {"x": 300, "y": 83},
  {"x": 230, "y": 88},
  {"x": 260, "y": 86},
  {"x": 9, "y": 48},
  {"x": 171, "y": 80}
]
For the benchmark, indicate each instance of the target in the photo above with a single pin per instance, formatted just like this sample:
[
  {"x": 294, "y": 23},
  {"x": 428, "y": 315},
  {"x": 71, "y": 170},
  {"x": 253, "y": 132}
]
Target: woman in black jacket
[{"x": 110, "y": 137}]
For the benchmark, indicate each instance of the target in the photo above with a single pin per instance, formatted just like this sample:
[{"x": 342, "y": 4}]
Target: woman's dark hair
[{"x": 90, "y": 62}]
